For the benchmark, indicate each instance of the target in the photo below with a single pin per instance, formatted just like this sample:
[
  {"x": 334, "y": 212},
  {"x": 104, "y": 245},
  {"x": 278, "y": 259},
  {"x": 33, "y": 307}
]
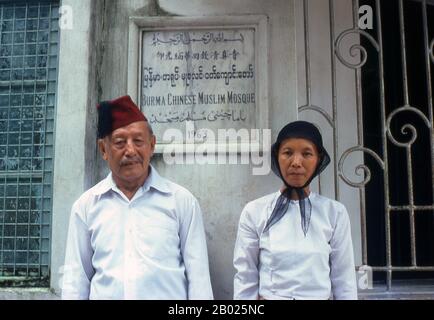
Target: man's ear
[
  {"x": 102, "y": 149},
  {"x": 153, "y": 142}
]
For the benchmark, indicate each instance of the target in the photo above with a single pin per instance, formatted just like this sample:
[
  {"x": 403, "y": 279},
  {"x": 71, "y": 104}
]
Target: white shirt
[
  {"x": 152, "y": 247},
  {"x": 284, "y": 264}
]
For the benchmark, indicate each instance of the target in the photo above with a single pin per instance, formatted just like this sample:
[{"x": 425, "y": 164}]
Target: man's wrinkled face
[{"x": 128, "y": 151}]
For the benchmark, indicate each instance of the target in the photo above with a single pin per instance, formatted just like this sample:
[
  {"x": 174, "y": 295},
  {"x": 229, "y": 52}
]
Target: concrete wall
[{"x": 70, "y": 173}]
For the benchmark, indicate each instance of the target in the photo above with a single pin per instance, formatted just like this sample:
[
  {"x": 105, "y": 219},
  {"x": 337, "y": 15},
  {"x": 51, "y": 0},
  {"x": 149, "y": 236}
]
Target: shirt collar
[{"x": 154, "y": 180}]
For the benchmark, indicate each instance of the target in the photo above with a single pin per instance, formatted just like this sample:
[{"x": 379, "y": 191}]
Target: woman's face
[{"x": 298, "y": 159}]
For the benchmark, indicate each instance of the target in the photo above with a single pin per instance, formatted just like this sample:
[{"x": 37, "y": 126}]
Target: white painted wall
[{"x": 72, "y": 102}]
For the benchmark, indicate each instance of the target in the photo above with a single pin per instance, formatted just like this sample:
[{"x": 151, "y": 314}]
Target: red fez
[{"x": 117, "y": 113}]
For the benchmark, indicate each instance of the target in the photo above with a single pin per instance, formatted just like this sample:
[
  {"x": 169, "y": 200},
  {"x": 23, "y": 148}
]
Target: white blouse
[{"x": 284, "y": 264}]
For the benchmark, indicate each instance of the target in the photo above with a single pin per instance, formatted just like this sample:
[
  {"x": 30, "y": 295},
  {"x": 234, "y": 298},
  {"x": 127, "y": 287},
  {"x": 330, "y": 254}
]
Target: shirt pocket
[{"x": 158, "y": 242}]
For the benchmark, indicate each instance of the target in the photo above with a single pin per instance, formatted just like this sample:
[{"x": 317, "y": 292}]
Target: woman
[{"x": 294, "y": 243}]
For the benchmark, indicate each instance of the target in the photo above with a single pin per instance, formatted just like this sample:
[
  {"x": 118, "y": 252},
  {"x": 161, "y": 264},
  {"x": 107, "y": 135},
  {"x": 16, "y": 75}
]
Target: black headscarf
[{"x": 304, "y": 130}]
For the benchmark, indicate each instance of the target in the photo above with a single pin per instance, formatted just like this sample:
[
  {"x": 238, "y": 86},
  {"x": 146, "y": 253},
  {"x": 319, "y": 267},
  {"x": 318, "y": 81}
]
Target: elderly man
[{"x": 134, "y": 235}]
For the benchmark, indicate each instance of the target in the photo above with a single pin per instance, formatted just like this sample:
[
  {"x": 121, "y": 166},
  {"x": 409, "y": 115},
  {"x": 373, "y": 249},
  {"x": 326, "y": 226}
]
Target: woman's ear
[{"x": 102, "y": 148}]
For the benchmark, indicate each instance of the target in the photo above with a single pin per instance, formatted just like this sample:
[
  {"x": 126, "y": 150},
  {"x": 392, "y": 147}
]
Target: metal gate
[{"x": 388, "y": 116}]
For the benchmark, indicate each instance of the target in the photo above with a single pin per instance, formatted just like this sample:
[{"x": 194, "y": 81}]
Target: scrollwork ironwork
[
  {"x": 354, "y": 48},
  {"x": 407, "y": 128},
  {"x": 320, "y": 111},
  {"x": 360, "y": 169}
]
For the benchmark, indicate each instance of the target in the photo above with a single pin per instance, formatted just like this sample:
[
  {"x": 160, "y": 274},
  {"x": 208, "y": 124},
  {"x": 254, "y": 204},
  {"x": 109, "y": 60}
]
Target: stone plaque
[{"x": 204, "y": 77}]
